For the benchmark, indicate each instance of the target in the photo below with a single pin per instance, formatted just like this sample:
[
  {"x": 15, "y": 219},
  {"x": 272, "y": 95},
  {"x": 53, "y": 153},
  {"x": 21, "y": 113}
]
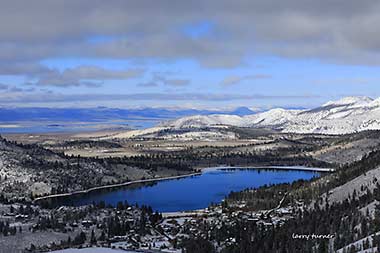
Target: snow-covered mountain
[
  {"x": 199, "y": 121},
  {"x": 347, "y": 115}
]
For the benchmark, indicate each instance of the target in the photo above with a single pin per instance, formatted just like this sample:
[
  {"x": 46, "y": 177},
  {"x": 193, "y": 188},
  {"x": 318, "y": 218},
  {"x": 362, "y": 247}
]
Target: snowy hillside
[
  {"x": 199, "y": 121},
  {"x": 348, "y": 115}
]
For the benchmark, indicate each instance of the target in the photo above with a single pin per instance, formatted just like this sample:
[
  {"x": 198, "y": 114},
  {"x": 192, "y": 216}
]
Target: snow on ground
[
  {"x": 201, "y": 135},
  {"x": 40, "y": 188},
  {"x": 135, "y": 133},
  {"x": 370, "y": 208},
  {"x": 344, "y": 116},
  {"x": 168, "y": 215},
  {"x": 359, "y": 245},
  {"x": 93, "y": 250},
  {"x": 20, "y": 241},
  {"x": 198, "y": 121},
  {"x": 345, "y": 153},
  {"x": 345, "y": 191}
]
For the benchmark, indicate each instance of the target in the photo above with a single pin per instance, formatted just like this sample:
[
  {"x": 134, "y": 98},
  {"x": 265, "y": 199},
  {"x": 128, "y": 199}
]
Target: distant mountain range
[
  {"x": 347, "y": 115},
  {"x": 101, "y": 114}
]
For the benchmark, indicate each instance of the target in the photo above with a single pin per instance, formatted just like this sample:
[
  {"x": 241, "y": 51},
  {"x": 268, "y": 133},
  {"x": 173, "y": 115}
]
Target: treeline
[
  {"x": 6, "y": 229},
  {"x": 71, "y": 173},
  {"x": 268, "y": 196},
  {"x": 195, "y": 157},
  {"x": 342, "y": 221},
  {"x": 120, "y": 221},
  {"x": 78, "y": 144},
  {"x": 118, "y": 224},
  {"x": 190, "y": 158}
]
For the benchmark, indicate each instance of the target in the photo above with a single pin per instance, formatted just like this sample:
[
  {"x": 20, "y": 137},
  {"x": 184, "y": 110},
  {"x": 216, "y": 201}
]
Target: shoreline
[
  {"x": 115, "y": 185},
  {"x": 199, "y": 172},
  {"x": 268, "y": 167}
]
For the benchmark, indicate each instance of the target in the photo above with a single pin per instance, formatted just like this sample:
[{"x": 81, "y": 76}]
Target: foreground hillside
[
  {"x": 336, "y": 213},
  {"x": 29, "y": 171}
]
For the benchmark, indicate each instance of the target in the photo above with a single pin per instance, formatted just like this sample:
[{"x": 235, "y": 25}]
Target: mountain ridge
[{"x": 344, "y": 116}]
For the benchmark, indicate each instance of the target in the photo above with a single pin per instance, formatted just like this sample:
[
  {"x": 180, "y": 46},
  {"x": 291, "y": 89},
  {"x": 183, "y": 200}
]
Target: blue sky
[
  {"x": 307, "y": 83},
  {"x": 144, "y": 54}
]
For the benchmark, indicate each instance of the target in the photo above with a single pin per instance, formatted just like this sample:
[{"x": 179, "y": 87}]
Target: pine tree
[{"x": 93, "y": 238}]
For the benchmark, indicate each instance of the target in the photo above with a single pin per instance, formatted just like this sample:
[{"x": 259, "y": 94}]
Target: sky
[{"x": 187, "y": 54}]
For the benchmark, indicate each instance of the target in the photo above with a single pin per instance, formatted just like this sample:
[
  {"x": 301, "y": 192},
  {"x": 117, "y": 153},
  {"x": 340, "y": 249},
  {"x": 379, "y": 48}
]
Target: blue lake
[{"x": 190, "y": 193}]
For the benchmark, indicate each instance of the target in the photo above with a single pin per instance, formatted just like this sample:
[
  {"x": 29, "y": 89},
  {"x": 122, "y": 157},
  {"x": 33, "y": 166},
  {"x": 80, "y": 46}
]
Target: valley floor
[{"x": 351, "y": 189}]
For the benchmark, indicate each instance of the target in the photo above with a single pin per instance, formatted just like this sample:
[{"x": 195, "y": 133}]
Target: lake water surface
[{"x": 190, "y": 193}]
